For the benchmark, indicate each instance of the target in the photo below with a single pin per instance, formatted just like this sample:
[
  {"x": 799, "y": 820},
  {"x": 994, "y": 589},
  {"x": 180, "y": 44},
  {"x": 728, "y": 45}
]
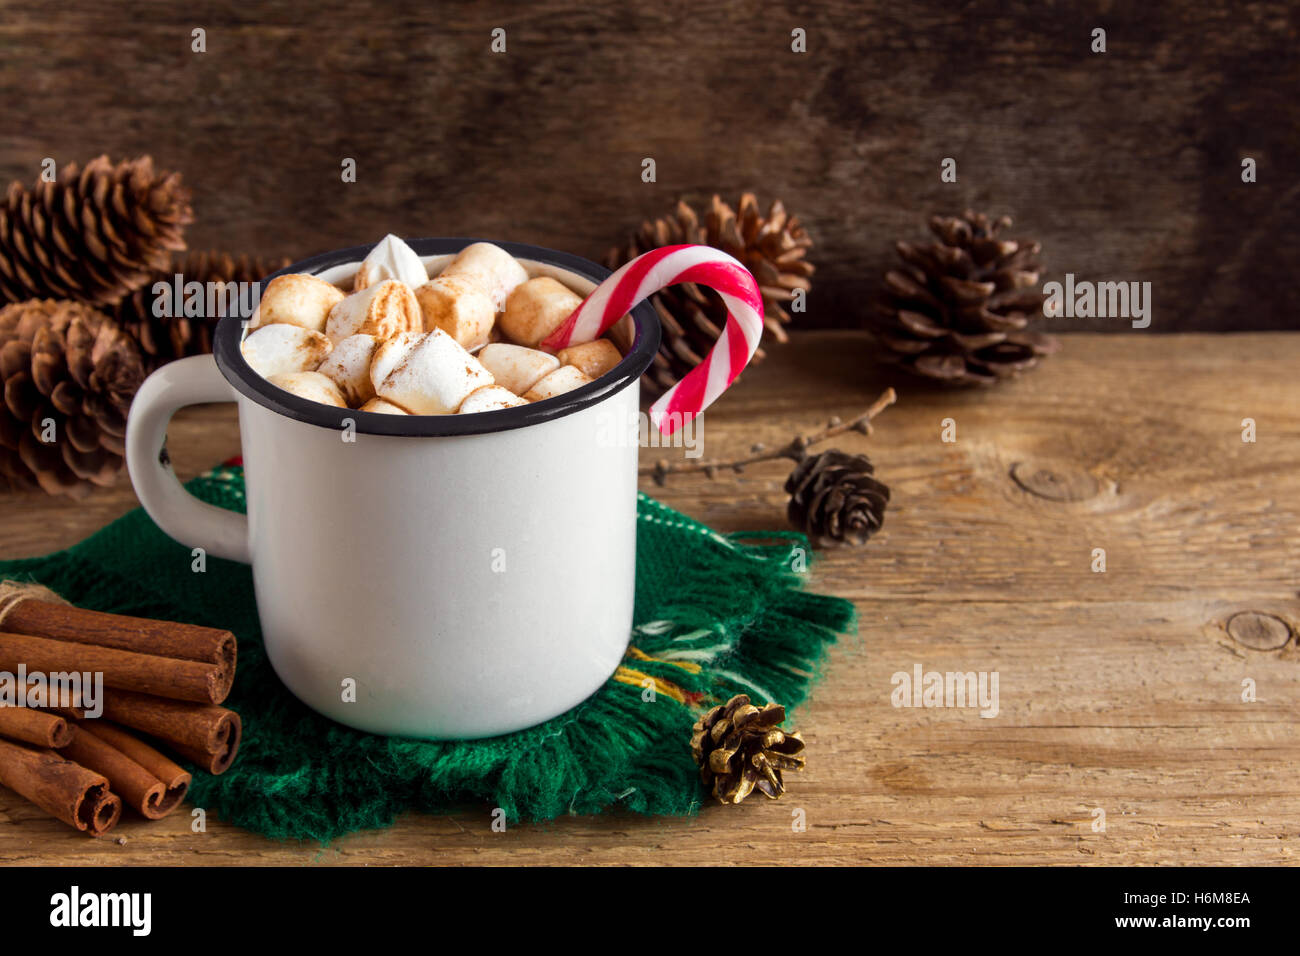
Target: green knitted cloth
[{"x": 715, "y": 615}]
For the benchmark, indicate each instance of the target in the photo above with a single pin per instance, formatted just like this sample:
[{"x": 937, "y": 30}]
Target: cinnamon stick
[
  {"x": 34, "y": 727},
  {"x": 164, "y": 676},
  {"x": 147, "y": 781},
  {"x": 40, "y": 693},
  {"x": 188, "y": 642},
  {"x": 204, "y": 733},
  {"x": 65, "y": 790}
]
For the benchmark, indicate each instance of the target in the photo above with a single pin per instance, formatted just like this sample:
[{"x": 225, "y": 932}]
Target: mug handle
[{"x": 195, "y": 523}]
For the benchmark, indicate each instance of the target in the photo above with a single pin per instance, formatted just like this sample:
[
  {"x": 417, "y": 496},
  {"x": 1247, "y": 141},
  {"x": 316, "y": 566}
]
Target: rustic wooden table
[{"x": 1122, "y": 734}]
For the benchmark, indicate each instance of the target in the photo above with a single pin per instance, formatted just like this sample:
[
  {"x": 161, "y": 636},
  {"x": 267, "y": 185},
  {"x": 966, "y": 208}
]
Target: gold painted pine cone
[
  {"x": 835, "y": 498},
  {"x": 741, "y": 748},
  {"x": 958, "y": 310},
  {"x": 93, "y": 235},
  {"x": 773, "y": 247},
  {"x": 69, "y": 373}
]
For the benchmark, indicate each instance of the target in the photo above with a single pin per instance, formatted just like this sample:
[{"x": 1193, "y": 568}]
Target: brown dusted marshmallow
[
  {"x": 280, "y": 349},
  {"x": 383, "y": 408},
  {"x": 312, "y": 386},
  {"x": 458, "y": 306},
  {"x": 391, "y": 258},
  {"x": 536, "y": 308},
  {"x": 391, "y": 354},
  {"x": 564, "y": 379},
  {"x": 495, "y": 270},
  {"x": 594, "y": 358},
  {"x": 382, "y": 310},
  {"x": 489, "y": 398},
  {"x": 348, "y": 367},
  {"x": 296, "y": 299},
  {"x": 516, "y": 367},
  {"x": 434, "y": 377}
]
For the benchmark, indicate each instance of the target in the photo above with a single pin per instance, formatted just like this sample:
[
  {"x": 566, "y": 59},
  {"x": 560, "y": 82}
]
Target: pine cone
[
  {"x": 835, "y": 499},
  {"x": 164, "y": 338},
  {"x": 958, "y": 309},
  {"x": 772, "y": 247},
  {"x": 92, "y": 236},
  {"x": 66, "y": 364},
  {"x": 739, "y": 748}
]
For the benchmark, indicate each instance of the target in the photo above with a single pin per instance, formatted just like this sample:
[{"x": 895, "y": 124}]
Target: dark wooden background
[{"x": 1126, "y": 165}]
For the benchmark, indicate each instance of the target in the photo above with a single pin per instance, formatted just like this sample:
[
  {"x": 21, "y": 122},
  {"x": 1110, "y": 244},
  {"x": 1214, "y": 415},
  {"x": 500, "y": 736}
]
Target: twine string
[{"x": 13, "y": 593}]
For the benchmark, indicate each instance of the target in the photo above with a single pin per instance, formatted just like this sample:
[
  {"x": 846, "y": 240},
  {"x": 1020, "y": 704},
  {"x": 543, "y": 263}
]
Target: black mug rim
[{"x": 230, "y": 359}]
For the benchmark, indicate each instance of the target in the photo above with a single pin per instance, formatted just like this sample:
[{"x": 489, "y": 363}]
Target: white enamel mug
[{"x": 468, "y": 575}]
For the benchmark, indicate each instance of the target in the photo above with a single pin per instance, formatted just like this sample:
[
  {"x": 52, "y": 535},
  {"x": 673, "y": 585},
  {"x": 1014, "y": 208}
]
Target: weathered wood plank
[
  {"x": 1126, "y": 165},
  {"x": 1119, "y": 691}
]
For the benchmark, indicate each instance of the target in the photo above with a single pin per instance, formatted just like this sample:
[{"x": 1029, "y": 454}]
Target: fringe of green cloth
[{"x": 734, "y": 608}]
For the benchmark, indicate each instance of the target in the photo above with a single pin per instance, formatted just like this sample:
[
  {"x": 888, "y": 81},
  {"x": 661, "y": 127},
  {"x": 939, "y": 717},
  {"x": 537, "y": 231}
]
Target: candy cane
[{"x": 658, "y": 269}]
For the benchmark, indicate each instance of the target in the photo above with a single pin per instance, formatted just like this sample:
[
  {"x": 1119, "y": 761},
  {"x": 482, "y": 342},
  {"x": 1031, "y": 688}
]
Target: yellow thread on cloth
[
  {"x": 13, "y": 593},
  {"x": 625, "y": 675},
  {"x": 639, "y": 655}
]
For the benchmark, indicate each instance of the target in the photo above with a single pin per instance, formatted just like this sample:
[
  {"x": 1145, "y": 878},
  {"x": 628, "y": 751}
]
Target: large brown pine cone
[
  {"x": 772, "y": 247},
  {"x": 958, "y": 309},
  {"x": 740, "y": 748},
  {"x": 834, "y": 498},
  {"x": 173, "y": 334},
  {"x": 93, "y": 235},
  {"x": 69, "y": 374}
]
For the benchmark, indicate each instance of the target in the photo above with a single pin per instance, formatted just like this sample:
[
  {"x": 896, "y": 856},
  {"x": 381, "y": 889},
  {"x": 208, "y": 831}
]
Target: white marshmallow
[
  {"x": 516, "y": 367},
  {"x": 458, "y": 306},
  {"x": 281, "y": 349},
  {"x": 489, "y": 398},
  {"x": 391, "y": 354},
  {"x": 296, "y": 299},
  {"x": 435, "y": 377},
  {"x": 348, "y": 367},
  {"x": 391, "y": 258},
  {"x": 312, "y": 386},
  {"x": 382, "y": 407},
  {"x": 382, "y": 310},
  {"x": 564, "y": 379},
  {"x": 536, "y": 309},
  {"x": 594, "y": 358},
  {"x": 495, "y": 270}
]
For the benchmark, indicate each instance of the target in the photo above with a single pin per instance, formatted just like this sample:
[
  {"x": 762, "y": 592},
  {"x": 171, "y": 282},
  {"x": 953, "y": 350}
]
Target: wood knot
[
  {"x": 1258, "y": 631},
  {"x": 1044, "y": 481}
]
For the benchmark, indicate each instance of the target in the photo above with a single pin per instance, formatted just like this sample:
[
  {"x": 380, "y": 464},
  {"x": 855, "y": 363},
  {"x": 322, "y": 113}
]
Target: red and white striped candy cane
[{"x": 658, "y": 269}]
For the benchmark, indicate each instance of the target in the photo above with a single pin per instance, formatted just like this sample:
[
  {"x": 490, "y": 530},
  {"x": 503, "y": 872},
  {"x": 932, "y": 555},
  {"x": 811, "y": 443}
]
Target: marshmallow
[
  {"x": 280, "y": 349},
  {"x": 391, "y": 354},
  {"x": 536, "y": 308},
  {"x": 594, "y": 358},
  {"x": 564, "y": 379},
  {"x": 296, "y": 299},
  {"x": 348, "y": 367},
  {"x": 434, "y": 377},
  {"x": 494, "y": 269},
  {"x": 312, "y": 386},
  {"x": 515, "y": 367},
  {"x": 382, "y": 407},
  {"x": 489, "y": 398},
  {"x": 381, "y": 310},
  {"x": 391, "y": 258},
  {"x": 458, "y": 306}
]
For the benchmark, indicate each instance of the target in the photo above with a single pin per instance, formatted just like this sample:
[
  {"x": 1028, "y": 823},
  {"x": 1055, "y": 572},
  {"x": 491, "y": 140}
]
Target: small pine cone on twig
[
  {"x": 92, "y": 235},
  {"x": 740, "y": 748},
  {"x": 958, "y": 310},
  {"x": 835, "y": 498},
  {"x": 68, "y": 374},
  {"x": 173, "y": 334}
]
